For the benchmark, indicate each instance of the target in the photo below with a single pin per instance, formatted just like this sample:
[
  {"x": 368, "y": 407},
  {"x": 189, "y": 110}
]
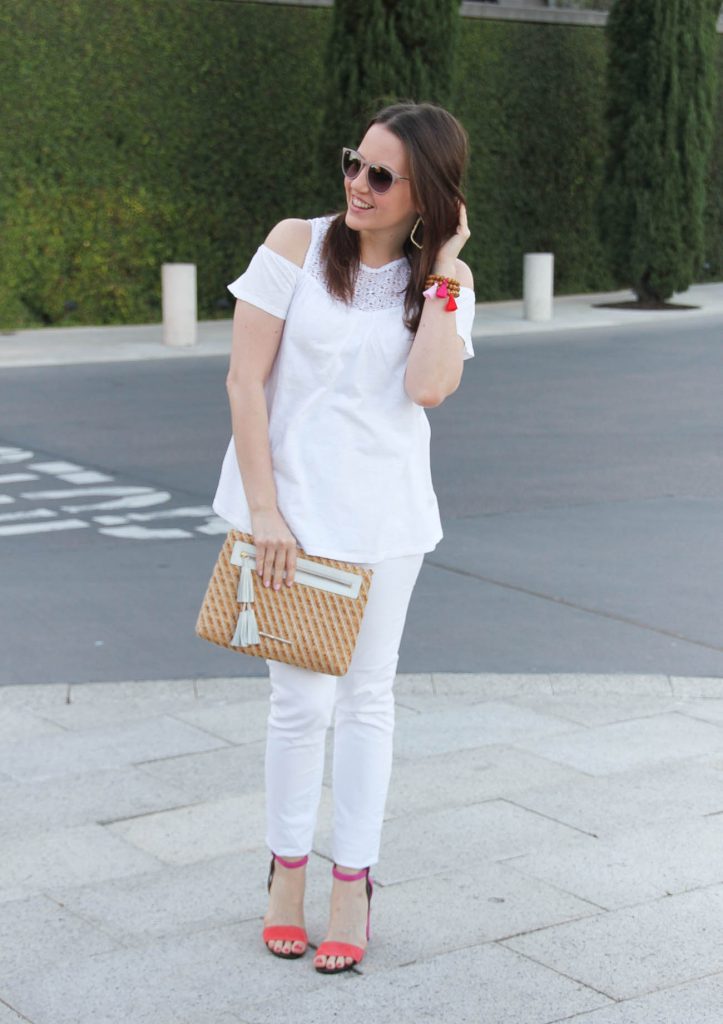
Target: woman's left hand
[{"x": 451, "y": 248}]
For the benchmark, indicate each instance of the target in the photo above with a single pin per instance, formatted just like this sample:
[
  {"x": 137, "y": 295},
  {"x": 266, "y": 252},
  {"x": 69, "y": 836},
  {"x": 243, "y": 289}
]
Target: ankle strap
[
  {"x": 348, "y": 878},
  {"x": 292, "y": 864}
]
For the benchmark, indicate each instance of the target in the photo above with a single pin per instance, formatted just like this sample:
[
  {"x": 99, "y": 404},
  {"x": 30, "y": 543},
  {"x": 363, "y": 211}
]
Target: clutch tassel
[{"x": 247, "y": 631}]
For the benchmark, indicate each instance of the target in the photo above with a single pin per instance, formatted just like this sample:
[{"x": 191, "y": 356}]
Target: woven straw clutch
[{"x": 314, "y": 623}]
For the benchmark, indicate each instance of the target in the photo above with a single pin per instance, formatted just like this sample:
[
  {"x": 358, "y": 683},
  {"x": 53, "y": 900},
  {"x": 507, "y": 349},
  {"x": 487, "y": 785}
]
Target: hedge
[{"x": 134, "y": 134}]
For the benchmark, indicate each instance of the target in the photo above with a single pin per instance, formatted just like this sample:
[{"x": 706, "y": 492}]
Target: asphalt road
[{"x": 579, "y": 478}]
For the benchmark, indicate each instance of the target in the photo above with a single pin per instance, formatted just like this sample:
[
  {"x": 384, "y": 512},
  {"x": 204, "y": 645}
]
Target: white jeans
[{"x": 362, "y": 703}]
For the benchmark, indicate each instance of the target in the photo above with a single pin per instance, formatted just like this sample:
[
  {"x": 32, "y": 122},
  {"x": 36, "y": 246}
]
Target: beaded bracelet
[
  {"x": 442, "y": 287},
  {"x": 452, "y": 283}
]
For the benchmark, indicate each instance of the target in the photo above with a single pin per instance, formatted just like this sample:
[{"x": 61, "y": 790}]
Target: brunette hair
[{"x": 438, "y": 149}]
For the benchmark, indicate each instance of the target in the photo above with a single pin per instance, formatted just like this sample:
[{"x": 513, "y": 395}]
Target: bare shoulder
[
  {"x": 290, "y": 238},
  {"x": 464, "y": 274}
]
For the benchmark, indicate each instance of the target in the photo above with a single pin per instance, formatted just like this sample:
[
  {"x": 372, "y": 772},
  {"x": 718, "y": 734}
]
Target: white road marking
[
  {"x": 199, "y": 510},
  {"x": 58, "y": 524},
  {"x": 85, "y": 476},
  {"x": 16, "y": 478},
  {"x": 25, "y": 521},
  {"x": 143, "y": 533},
  {"x": 214, "y": 526},
  {"x": 56, "y": 468},
  {"x": 132, "y": 501},
  {"x": 33, "y": 513},
  {"x": 78, "y": 492},
  {"x": 13, "y": 454}
]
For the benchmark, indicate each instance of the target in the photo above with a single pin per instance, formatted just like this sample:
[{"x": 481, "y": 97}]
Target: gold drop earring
[{"x": 411, "y": 237}]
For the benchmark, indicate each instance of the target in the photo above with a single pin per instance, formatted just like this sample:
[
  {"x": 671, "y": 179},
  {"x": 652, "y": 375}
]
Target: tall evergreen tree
[
  {"x": 378, "y": 52},
  {"x": 661, "y": 88}
]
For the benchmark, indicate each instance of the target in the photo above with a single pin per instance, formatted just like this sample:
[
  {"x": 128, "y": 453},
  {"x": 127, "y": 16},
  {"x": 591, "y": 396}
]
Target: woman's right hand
[{"x": 275, "y": 547}]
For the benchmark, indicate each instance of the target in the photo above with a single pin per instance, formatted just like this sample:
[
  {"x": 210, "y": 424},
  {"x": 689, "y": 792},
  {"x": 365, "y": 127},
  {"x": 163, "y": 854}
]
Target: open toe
[{"x": 284, "y": 940}]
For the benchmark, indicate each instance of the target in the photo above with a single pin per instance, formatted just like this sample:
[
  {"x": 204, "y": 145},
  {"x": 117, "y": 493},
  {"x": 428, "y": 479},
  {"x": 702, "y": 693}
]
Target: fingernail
[
  {"x": 266, "y": 583},
  {"x": 276, "y": 586}
]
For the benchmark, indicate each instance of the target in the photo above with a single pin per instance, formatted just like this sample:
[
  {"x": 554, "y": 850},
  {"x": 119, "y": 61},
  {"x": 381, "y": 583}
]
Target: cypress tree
[
  {"x": 661, "y": 88},
  {"x": 379, "y": 52}
]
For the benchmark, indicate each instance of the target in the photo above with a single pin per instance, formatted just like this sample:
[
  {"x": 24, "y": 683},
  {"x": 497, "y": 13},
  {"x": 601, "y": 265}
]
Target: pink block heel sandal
[
  {"x": 345, "y": 949},
  {"x": 285, "y": 932}
]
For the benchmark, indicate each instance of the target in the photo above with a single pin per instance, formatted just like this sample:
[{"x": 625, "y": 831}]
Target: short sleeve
[
  {"x": 268, "y": 282},
  {"x": 465, "y": 319}
]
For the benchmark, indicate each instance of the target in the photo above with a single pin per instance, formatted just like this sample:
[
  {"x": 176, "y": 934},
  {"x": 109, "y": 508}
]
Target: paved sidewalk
[
  {"x": 52, "y": 346},
  {"x": 552, "y": 853}
]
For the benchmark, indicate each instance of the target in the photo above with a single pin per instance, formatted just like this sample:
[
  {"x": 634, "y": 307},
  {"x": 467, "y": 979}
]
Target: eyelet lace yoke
[{"x": 376, "y": 287}]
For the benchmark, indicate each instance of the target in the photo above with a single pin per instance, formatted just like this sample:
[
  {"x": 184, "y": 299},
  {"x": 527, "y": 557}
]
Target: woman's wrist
[{"x": 445, "y": 266}]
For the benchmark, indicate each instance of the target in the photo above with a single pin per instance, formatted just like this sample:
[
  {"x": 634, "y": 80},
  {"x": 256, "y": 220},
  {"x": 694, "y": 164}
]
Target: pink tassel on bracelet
[
  {"x": 442, "y": 290},
  {"x": 430, "y": 292}
]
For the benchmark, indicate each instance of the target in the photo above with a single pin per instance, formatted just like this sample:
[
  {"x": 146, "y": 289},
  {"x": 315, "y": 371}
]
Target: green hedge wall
[{"x": 133, "y": 134}]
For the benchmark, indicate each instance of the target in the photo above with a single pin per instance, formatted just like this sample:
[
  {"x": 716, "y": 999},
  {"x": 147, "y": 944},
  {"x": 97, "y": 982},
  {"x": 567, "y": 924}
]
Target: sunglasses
[{"x": 380, "y": 178}]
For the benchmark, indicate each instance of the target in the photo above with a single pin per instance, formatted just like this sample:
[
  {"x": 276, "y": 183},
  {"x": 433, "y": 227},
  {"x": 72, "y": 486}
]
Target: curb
[{"x": 477, "y": 686}]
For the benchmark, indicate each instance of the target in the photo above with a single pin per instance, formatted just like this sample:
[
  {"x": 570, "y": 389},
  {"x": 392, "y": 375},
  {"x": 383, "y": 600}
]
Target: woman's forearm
[
  {"x": 434, "y": 365},
  {"x": 250, "y": 423}
]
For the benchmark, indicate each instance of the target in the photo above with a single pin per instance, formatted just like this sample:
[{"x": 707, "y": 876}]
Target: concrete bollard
[
  {"x": 178, "y": 291},
  {"x": 537, "y": 275}
]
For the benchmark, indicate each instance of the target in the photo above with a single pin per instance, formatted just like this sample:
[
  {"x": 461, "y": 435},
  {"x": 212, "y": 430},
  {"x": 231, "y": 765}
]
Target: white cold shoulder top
[{"x": 349, "y": 447}]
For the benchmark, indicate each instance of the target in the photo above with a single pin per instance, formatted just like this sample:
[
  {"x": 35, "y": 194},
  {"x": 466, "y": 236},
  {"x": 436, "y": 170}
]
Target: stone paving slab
[
  {"x": 629, "y": 952},
  {"x": 9, "y": 1016},
  {"x": 86, "y": 706},
  {"x": 187, "y": 898},
  {"x": 18, "y": 724},
  {"x": 710, "y": 710},
  {"x": 493, "y": 830},
  {"x": 459, "y": 777},
  {"x": 36, "y": 696},
  {"x": 489, "y": 722},
  {"x": 205, "y": 829},
  {"x": 69, "y": 856},
  {"x": 99, "y": 796},
  {"x": 234, "y": 689},
  {"x": 711, "y": 687},
  {"x": 469, "y": 904},
  {"x": 624, "y": 745},
  {"x": 88, "y": 709},
  {"x": 603, "y": 805},
  {"x": 187, "y": 834},
  {"x": 45, "y": 757},
  {"x": 190, "y": 979},
  {"x": 641, "y": 863},
  {"x": 590, "y": 709},
  {"x": 227, "y": 771},
  {"x": 472, "y": 686},
  {"x": 466, "y": 986},
  {"x": 607, "y": 684},
  {"x": 696, "y": 1001},
  {"x": 38, "y": 930},
  {"x": 234, "y": 722}
]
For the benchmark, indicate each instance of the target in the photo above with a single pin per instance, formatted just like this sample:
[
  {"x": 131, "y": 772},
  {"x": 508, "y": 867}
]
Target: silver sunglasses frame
[{"x": 366, "y": 163}]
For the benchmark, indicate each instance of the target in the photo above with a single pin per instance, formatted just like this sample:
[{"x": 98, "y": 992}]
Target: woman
[{"x": 336, "y": 353}]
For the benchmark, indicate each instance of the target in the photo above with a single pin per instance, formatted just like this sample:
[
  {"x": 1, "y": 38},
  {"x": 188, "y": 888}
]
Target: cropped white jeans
[{"x": 361, "y": 703}]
